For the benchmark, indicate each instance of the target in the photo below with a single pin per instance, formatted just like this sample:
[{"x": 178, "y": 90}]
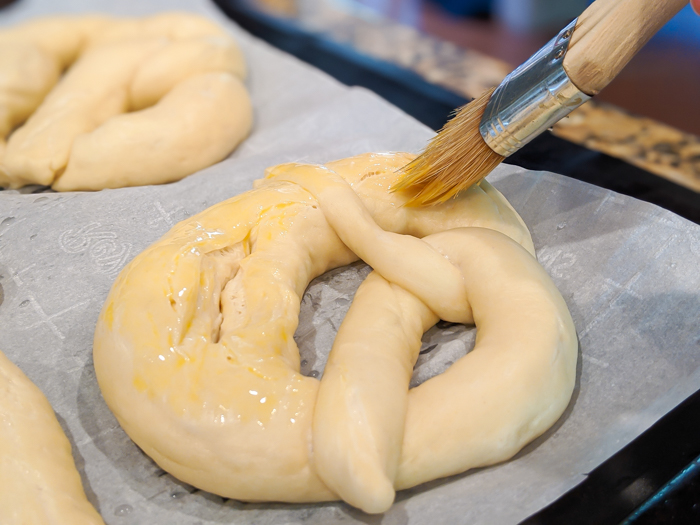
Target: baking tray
[{"x": 656, "y": 478}]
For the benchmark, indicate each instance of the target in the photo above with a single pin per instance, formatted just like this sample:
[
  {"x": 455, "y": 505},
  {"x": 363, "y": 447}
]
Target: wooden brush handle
[{"x": 608, "y": 34}]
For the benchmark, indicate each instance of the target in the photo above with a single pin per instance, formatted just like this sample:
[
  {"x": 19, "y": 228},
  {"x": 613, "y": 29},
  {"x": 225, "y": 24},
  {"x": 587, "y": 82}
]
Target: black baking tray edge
[{"x": 654, "y": 479}]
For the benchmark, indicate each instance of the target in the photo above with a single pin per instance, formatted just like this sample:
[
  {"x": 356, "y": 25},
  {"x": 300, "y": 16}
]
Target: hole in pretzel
[{"x": 327, "y": 300}]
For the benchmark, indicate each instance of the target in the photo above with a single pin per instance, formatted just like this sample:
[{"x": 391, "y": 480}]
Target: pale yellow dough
[
  {"x": 194, "y": 348},
  {"x": 39, "y": 484},
  {"x": 142, "y": 101}
]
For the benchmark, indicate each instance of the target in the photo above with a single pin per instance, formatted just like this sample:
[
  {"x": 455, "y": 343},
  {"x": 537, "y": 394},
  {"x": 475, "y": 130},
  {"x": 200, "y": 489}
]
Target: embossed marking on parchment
[
  {"x": 47, "y": 319},
  {"x": 621, "y": 289},
  {"x": 163, "y": 215},
  {"x": 16, "y": 276},
  {"x": 105, "y": 252},
  {"x": 555, "y": 261},
  {"x": 76, "y": 241}
]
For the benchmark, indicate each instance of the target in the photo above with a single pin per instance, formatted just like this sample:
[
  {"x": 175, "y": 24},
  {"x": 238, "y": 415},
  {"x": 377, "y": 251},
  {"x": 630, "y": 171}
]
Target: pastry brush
[{"x": 575, "y": 65}]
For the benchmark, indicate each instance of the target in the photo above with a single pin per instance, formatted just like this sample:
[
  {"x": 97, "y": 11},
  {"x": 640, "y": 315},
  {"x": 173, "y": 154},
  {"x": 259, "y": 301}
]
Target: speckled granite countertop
[{"x": 646, "y": 143}]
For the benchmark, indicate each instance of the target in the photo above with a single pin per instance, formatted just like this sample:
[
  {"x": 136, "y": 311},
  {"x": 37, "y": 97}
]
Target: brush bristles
[{"x": 455, "y": 158}]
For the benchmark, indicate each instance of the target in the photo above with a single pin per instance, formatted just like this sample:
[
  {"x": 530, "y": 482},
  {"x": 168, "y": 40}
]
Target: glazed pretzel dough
[
  {"x": 194, "y": 348},
  {"x": 144, "y": 101},
  {"x": 38, "y": 479}
]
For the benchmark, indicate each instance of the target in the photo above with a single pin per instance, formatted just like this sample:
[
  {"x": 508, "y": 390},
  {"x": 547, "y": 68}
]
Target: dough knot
[{"x": 195, "y": 352}]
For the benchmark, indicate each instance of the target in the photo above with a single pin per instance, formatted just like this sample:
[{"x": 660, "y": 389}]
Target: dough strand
[{"x": 39, "y": 484}]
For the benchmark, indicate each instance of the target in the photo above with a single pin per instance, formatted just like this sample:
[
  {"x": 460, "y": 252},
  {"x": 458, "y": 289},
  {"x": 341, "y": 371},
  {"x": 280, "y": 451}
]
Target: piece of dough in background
[
  {"x": 39, "y": 483},
  {"x": 143, "y": 101}
]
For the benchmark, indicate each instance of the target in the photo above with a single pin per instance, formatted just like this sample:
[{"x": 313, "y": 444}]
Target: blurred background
[{"x": 661, "y": 82}]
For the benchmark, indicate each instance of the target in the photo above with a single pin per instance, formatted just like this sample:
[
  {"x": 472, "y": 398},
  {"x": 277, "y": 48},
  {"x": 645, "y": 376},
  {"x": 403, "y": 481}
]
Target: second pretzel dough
[
  {"x": 194, "y": 348},
  {"x": 145, "y": 101}
]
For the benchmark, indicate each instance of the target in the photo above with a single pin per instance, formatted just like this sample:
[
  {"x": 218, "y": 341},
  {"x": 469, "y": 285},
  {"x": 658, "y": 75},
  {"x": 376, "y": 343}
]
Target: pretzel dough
[
  {"x": 39, "y": 483},
  {"x": 194, "y": 349},
  {"x": 145, "y": 101}
]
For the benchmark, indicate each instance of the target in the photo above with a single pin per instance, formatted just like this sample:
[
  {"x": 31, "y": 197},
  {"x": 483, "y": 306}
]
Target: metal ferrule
[{"x": 531, "y": 99}]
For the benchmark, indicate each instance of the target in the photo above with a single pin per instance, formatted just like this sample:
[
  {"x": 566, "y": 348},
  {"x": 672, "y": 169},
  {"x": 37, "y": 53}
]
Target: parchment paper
[{"x": 628, "y": 271}]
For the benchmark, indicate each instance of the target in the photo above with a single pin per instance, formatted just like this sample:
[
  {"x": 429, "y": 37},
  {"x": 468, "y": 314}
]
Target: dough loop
[
  {"x": 195, "y": 355},
  {"x": 142, "y": 101}
]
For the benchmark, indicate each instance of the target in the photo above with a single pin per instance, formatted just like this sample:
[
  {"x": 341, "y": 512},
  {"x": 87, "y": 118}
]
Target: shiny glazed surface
[{"x": 194, "y": 348}]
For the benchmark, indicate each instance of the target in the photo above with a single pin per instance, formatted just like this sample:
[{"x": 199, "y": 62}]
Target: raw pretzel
[
  {"x": 38, "y": 479},
  {"x": 143, "y": 101},
  {"x": 194, "y": 348}
]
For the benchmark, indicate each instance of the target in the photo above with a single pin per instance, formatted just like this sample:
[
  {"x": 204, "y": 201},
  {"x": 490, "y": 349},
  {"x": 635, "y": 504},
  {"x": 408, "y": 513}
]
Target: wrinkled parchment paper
[{"x": 628, "y": 270}]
